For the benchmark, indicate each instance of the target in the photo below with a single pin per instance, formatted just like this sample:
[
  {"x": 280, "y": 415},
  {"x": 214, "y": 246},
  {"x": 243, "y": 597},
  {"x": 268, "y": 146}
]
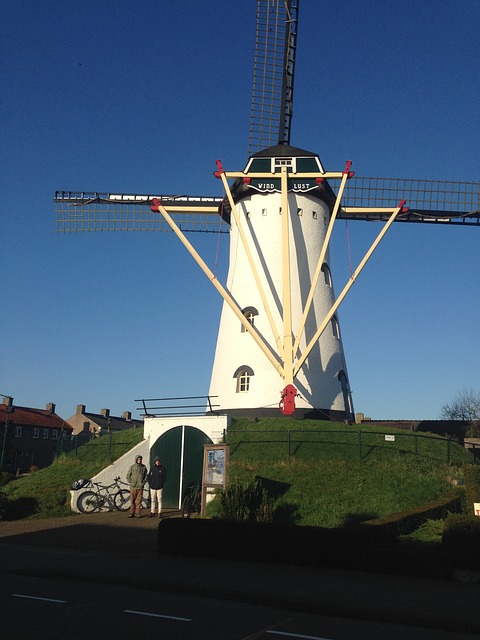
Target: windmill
[{"x": 279, "y": 341}]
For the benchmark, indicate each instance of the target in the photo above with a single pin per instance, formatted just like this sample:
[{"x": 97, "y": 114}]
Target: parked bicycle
[
  {"x": 192, "y": 502},
  {"x": 100, "y": 496}
]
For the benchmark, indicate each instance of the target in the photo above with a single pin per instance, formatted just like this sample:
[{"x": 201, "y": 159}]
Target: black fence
[
  {"x": 352, "y": 444},
  {"x": 111, "y": 443}
]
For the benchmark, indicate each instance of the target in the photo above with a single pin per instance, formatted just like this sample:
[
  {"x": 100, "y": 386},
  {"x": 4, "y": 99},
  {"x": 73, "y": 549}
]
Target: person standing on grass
[
  {"x": 136, "y": 478},
  {"x": 156, "y": 479}
]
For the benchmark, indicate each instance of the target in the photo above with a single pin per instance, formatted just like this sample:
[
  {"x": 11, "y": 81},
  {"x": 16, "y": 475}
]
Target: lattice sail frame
[
  {"x": 273, "y": 73},
  {"x": 437, "y": 201},
  {"x": 91, "y": 211},
  {"x": 429, "y": 201}
]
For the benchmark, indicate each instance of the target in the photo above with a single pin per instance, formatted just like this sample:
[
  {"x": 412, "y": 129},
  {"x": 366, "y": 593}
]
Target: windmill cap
[{"x": 283, "y": 150}]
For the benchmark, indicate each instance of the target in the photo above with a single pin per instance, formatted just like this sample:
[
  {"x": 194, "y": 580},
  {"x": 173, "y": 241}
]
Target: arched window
[
  {"x": 243, "y": 375},
  {"x": 335, "y": 327},
  {"x": 326, "y": 274},
  {"x": 249, "y": 313}
]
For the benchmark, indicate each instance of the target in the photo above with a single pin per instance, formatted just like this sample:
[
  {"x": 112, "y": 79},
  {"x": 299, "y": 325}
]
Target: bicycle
[
  {"x": 192, "y": 500},
  {"x": 101, "y": 495},
  {"x": 125, "y": 501}
]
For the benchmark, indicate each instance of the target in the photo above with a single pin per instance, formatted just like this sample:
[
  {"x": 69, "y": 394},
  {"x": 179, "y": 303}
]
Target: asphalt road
[
  {"x": 54, "y": 609},
  {"x": 94, "y": 568}
]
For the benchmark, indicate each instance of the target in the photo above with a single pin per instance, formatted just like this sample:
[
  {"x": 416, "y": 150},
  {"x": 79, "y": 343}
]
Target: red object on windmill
[{"x": 287, "y": 402}]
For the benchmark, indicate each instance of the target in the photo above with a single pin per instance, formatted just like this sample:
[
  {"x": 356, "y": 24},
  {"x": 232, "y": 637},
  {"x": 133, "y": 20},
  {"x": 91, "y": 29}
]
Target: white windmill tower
[
  {"x": 277, "y": 242},
  {"x": 279, "y": 340}
]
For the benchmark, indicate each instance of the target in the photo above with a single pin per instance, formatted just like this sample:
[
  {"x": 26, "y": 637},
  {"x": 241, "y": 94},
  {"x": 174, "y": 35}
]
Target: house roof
[
  {"x": 113, "y": 422},
  {"x": 27, "y": 416},
  {"x": 283, "y": 151}
]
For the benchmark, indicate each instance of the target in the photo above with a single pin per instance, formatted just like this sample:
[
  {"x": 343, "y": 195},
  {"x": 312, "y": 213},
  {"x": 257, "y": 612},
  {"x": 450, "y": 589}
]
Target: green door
[{"x": 181, "y": 451}]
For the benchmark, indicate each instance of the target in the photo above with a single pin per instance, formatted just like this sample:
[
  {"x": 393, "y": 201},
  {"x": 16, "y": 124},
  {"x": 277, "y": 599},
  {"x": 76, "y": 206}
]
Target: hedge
[{"x": 360, "y": 548}]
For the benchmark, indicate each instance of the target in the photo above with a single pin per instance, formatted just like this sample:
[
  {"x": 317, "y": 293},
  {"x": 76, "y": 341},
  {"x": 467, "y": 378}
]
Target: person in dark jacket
[
  {"x": 157, "y": 477},
  {"x": 136, "y": 478}
]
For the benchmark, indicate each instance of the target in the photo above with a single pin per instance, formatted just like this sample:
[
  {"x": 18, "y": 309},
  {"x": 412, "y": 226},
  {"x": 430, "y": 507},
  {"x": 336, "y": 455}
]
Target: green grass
[
  {"x": 329, "y": 481},
  {"x": 46, "y": 493}
]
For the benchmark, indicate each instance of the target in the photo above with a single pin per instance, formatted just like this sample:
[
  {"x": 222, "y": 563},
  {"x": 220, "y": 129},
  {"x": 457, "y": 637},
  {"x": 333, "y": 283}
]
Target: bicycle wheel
[
  {"x": 146, "y": 502},
  {"x": 197, "y": 503},
  {"x": 122, "y": 500},
  {"x": 87, "y": 502},
  {"x": 187, "y": 507}
]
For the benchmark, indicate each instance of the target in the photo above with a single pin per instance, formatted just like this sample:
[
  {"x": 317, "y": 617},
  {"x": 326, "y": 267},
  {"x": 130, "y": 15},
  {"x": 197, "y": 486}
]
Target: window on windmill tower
[
  {"x": 249, "y": 313},
  {"x": 326, "y": 274},
  {"x": 243, "y": 382},
  {"x": 243, "y": 375},
  {"x": 335, "y": 328}
]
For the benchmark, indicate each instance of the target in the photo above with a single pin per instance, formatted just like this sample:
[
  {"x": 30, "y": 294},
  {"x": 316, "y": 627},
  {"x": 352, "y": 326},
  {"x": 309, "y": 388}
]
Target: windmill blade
[
  {"x": 428, "y": 201},
  {"x": 91, "y": 211},
  {"x": 273, "y": 73}
]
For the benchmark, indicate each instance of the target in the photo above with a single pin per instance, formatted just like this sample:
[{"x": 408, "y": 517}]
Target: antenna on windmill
[{"x": 279, "y": 343}]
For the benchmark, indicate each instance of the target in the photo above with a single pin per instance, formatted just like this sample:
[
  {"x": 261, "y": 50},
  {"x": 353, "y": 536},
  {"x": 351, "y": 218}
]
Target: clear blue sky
[{"x": 145, "y": 96}]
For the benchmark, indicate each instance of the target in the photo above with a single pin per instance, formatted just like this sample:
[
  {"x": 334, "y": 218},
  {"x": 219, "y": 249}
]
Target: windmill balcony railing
[{"x": 189, "y": 406}]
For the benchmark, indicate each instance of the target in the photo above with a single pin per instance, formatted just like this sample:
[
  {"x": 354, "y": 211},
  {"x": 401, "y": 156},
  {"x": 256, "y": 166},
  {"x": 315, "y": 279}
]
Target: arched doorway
[{"x": 181, "y": 451}]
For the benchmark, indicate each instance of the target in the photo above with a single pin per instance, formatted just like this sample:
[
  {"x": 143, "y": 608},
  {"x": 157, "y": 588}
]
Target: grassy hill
[
  {"x": 329, "y": 474},
  {"x": 325, "y": 474},
  {"x": 46, "y": 493}
]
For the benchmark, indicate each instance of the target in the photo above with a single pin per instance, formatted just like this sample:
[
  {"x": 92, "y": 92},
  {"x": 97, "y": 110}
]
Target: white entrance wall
[{"x": 211, "y": 426}]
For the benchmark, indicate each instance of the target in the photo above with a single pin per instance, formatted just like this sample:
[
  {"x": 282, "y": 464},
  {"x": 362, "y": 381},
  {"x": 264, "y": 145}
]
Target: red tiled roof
[{"x": 33, "y": 417}]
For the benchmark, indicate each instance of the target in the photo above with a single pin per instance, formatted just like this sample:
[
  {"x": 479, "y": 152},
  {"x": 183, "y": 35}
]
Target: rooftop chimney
[
  {"x": 80, "y": 409},
  {"x": 105, "y": 412},
  {"x": 127, "y": 415},
  {"x": 50, "y": 407}
]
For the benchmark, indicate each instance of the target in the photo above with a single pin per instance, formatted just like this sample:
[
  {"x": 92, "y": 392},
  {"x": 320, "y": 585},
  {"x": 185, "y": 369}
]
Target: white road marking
[
  {"x": 21, "y": 595},
  {"x": 156, "y": 615},
  {"x": 297, "y": 635}
]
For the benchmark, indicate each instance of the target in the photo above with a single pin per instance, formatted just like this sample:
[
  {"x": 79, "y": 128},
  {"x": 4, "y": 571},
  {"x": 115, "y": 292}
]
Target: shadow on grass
[
  {"x": 352, "y": 519},
  {"x": 274, "y": 488},
  {"x": 20, "y": 508},
  {"x": 286, "y": 514}
]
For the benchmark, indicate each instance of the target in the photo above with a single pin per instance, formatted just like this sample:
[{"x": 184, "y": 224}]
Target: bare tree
[{"x": 465, "y": 406}]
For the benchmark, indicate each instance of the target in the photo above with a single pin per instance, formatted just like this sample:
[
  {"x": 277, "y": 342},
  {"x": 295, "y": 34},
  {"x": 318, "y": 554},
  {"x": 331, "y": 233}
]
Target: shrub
[
  {"x": 461, "y": 540},
  {"x": 3, "y": 504},
  {"x": 245, "y": 504},
  {"x": 471, "y": 474},
  {"x": 5, "y": 478}
]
